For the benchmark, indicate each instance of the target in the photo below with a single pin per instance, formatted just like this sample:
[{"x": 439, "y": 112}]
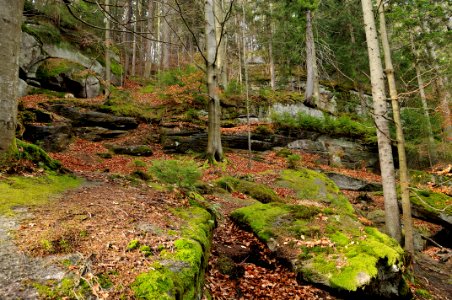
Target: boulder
[
  {"x": 87, "y": 118},
  {"x": 136, "y": 150},
  {"x": 345, "y": 182},
  {"x": 98, "y": 133},
  {"x": 324, "y": 242},
  {"x": 30, "y": 54},
  {"x": 22, "y": 88},
  {"x": 295, "y": 109},
  {"x": 432, "y": 207},
  {"x": 67, "y": 76},
  {"x": 53, "y": 138}
]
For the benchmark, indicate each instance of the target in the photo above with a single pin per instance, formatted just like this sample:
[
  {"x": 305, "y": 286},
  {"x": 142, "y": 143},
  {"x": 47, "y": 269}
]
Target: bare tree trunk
[
  {"x": 270, "y": 52},
  {"x": 245, "y": 65},
  {"x": 148, "y": 51},
  {"x": 128, "y": 37},
  {"x": 221, "y": 55},
  {"x": 312, "y": 94},
  {"x": 166, "y": 34},
  {"x": 380, "y": 116},
  {"x": 214, "y": 148},
  {"x": 107, "y": 50},
  {"x": 10, "y": 35},
  {"x": 403, "y": 168}
]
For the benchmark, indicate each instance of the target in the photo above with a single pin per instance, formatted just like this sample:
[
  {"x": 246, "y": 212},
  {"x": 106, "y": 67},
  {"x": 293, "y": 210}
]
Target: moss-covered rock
[
  {"x": 258, "y": 191},
  {"x": 180, "y": 274},
  {"x": 334, "y": 250},
  {"x": 312, "y": 185},
  {"x": 323, "y": 239},
  {"x": 431, "y": 206}
]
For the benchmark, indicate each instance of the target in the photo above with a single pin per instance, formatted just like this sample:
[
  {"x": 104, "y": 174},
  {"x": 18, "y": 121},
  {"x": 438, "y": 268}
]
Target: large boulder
[
  {"x": 322, "y": 238},
  {"x": 30, "y": 54},
  {"x": 68, "y": 76},
  {"x": 56, "y": 137}
]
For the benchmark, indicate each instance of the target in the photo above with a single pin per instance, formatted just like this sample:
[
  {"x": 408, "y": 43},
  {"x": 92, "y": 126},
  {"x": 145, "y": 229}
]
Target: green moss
[
  {"x": 313, "y": 185},
  {"x": 179, "y": 275},
  {"x": 53, "y": 67},
  {"x": 351, "y": 255},
  {"x": 122, "y": 103},
  {"x": 46, "y": 33},
  {"x": 133, "y": 244},
  {"x": 36, "y": 155},
  {"x": 68, "y": 288},
  {"x": 260, "y": 218},
  {"x": 258, "y": 191},
  {"x": 30, "y": 191},
  {"x": 424, "y": 293},
  {"x": 431, "y": 201}
]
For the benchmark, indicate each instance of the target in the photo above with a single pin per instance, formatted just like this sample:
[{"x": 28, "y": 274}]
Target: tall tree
[
  {"x": 312, "y": 93},
  {"x": 403, "y": 168},
  {"x": 214, "y": 147},
  {"x": 392, "y": 216},
  {"x": 10, "y": 36}
]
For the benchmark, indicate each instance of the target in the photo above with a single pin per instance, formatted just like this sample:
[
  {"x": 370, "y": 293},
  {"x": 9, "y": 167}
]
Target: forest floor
[{"x": 99, "y": 219}]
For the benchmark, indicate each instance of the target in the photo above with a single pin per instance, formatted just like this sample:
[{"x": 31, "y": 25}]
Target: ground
[{"x": 88, "y": 234}]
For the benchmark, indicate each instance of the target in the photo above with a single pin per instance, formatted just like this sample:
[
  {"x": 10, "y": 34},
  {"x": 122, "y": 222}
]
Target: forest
[{"x": 225, "y": 149}]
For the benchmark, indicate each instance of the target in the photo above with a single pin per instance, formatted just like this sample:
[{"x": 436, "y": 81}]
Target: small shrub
[
  {"x": 263, "y": 129},
  {"x": 293, "y": 161},
  {"x": 284, "y": 152},
  {"x": 182, "y": 174}
]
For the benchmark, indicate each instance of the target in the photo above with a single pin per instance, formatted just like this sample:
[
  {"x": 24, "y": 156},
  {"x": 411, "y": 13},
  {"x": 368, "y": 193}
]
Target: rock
[
  {"x": 22, "y": 88},
  {"x": 54, "y": 138},
  {"x": 345, "y": 182},
  {"x": 339, "y": 151},
  {"x": 98, "y": 133},
  {"x": 324, "y": 241},
  {"x": 73, "y": 56},
  {"x": 432, "y": 207},
  {"x": 294, "y": 109},
  {"x": 140, "y": 150},
  {"x": 30, "y": 54},
  {"x": 67, "y": 76},
  {"x": 83, "y": 118}
]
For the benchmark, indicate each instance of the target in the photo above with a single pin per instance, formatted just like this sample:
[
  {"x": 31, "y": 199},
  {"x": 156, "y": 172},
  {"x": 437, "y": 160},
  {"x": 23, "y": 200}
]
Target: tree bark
[
  {"x": 214, "y": 148},
  {"x": 403, "y": 168},
  {"x": 150, "y": 28},
  {"x": 380, "y": 115},
  {"x": 270, "y": 51},
  {"x": 312, "y": 94},
  {"x": 166, "y": 35},
  {"x": 10, "y": 36},
  {"x": 221, "y": 55},
  {"x": 107, "y": 50}
]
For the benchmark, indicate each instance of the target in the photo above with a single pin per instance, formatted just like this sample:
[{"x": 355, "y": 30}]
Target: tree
[
  {"x": 10, "y": 35},
  {"x": 403, "y": 168},
  {"x": 214, "y": 147},
  {"x": 381, "y": 122}
]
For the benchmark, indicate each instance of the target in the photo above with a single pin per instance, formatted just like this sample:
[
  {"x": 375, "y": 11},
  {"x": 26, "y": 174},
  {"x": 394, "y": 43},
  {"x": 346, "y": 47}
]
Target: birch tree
[
  {"x": 392, "y": 217},
  {"x": 10, "y": 36}
]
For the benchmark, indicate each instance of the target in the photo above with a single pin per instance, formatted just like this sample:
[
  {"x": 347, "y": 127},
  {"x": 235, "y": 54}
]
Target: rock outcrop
[{"x": 321, "y": 237}]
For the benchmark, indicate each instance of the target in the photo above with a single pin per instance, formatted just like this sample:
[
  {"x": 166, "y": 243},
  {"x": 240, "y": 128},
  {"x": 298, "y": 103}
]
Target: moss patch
[
  {"x": 332, "y": 248},
  {"x": 180, "y": 274},
  {"x": 313, "y": 185},
  {"x": 53, "y": 67},
  {"x": 29, "y": 191},
  {"x": 431, "y": 201},
  {"x": 258, "y": 191}
]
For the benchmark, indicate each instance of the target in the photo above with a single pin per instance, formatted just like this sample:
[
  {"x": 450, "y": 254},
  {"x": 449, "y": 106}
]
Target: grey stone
[{"x": 349, "y": 183}]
